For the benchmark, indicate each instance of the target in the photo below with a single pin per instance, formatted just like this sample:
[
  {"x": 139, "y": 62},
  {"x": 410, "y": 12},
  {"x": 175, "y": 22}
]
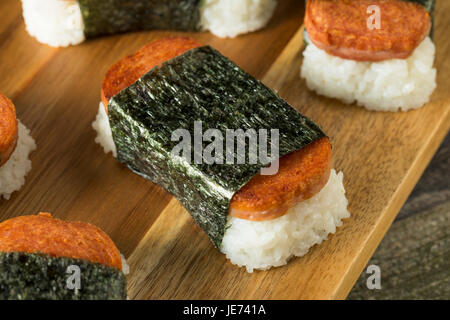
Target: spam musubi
[
  {"x": 377, "y": 54},
  {"x": 61, "y": 23},
  {"x": 16, "y": 144},
  {"x": 174, "y": 89},
  {"x": 41, "y": 258}
]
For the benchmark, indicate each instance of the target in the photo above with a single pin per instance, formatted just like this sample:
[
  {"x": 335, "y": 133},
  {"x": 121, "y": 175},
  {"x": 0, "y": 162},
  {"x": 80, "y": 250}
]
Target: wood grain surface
[
  {"x": 413, "y": 257},
  {"x": 57, "y": 91}
]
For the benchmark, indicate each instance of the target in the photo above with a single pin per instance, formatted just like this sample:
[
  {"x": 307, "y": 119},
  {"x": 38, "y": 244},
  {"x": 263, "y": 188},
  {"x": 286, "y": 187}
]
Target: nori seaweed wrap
[
  {"x": 201, "y": 85},
  {"x": 42, "y": 258},
  {"x": 102, "y": 17},
  {"x": 26, "y": 276}
]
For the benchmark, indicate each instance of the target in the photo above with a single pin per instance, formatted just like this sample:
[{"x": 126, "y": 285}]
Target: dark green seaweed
[
  {"x": 200, "y": 85},
  {"x": 104, "y": 17},
  {"x": 25, "y": 276}
]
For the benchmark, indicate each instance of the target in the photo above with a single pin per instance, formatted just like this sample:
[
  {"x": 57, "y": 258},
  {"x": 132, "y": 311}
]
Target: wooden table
[{"x": 56, "y": 92}]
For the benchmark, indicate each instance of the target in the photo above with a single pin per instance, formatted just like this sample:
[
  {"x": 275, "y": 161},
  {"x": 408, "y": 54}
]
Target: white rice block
[
  {"x": 383, "y": 86},
  {"x": 104, "y": 134},
  {"x": 14, "y": 171},
  {"x": 229, "y": 18},
  {"x": 265, "y": 244},
  {"x": 58, "y": 23}
]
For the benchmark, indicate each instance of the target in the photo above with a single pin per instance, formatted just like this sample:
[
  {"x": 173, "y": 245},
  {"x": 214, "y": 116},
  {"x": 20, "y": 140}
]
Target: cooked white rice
[
  {"x": 13, "y": 172},
  {"x": 383, "y": 86},
  {"x": 104, "y": 134},
  {"x": 229, "y": 18},
  {"x": 125, "y": 266},
  {"x": 266, "y": 244},
  {"x": 57, "y": 23}
]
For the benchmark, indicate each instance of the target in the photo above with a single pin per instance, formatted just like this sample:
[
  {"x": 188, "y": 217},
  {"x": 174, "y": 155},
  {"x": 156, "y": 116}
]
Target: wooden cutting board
[{"x": 57, "y": 91}]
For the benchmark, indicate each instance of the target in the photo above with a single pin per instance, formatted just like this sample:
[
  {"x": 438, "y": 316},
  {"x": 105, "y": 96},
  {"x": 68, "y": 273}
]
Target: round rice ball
[
  {"x": 54, "y": 22},
  {"x": 14, "y": 171}
]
